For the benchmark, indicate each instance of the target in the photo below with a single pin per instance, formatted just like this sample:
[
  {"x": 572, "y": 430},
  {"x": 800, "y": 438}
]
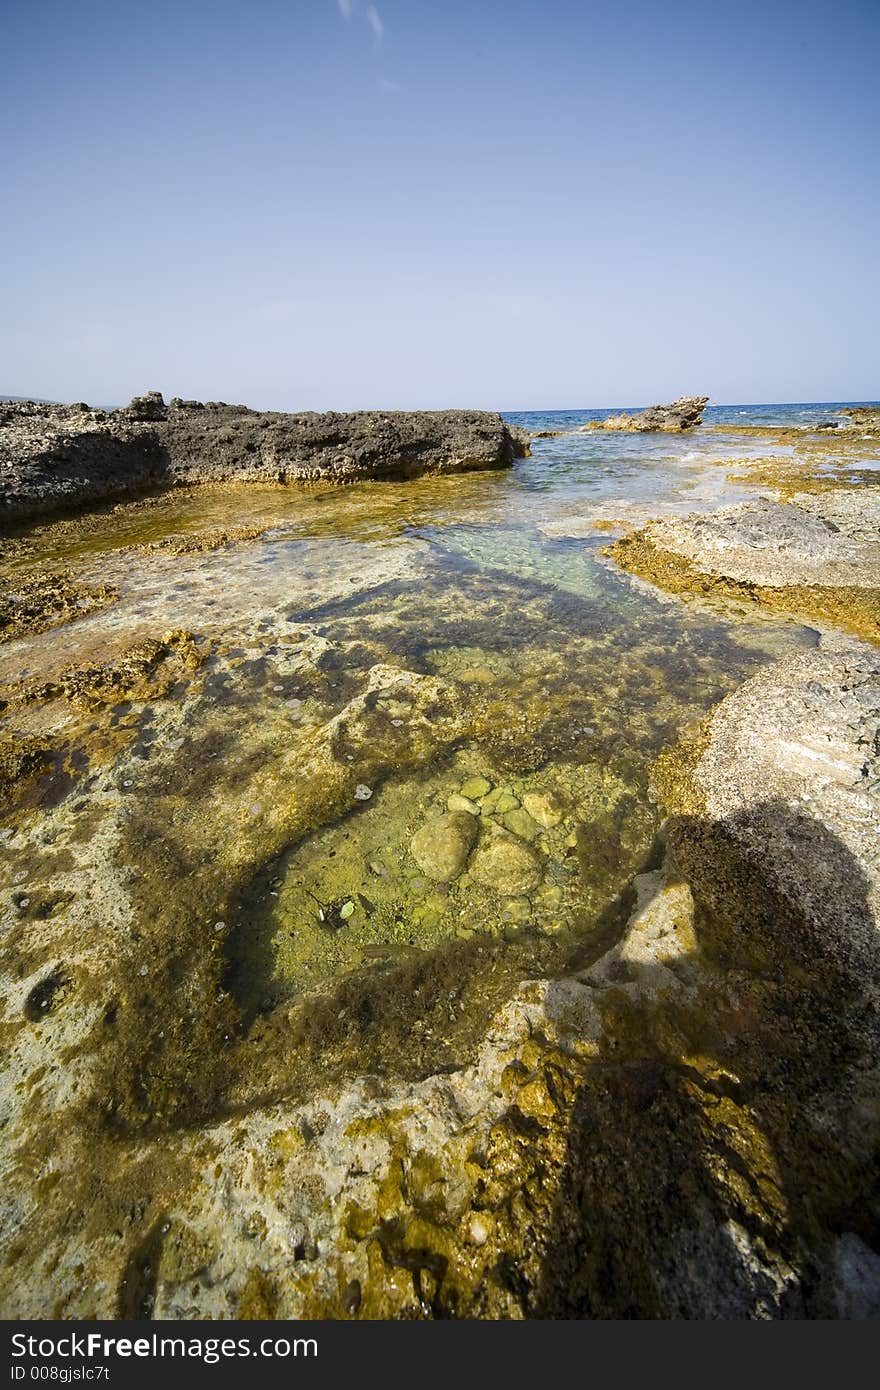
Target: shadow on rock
[{"x": 721, "y": 1153}]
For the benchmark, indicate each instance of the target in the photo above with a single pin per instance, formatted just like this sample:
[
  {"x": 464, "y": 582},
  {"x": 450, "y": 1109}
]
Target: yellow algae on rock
[{"x": 42, "y": 601}]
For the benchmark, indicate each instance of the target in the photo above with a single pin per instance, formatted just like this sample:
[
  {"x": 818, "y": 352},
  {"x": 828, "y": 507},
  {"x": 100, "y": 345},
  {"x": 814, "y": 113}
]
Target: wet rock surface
[
  {"x": 860, "y": 417},
  {"x": 37, "y": 602},
  {"x": 504, "y": 863},
  {"x": 774, "y": 543},
  {"x": 61, "y": 457},
  {"x": 442, "y": 846}
]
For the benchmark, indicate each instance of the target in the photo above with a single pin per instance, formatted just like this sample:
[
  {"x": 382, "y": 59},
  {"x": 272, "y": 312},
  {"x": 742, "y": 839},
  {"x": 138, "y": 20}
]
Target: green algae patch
[
  {"x": 357, "y": 895},
  {"x": 344, "y": 927}
]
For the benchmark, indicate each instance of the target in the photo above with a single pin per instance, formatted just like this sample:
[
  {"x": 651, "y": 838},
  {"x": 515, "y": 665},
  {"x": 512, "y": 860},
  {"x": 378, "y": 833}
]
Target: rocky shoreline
[
  {"x": 440, "y": 1129},
  {"x": 60, "y": 458},
  {"x": 807, "y": 542}
]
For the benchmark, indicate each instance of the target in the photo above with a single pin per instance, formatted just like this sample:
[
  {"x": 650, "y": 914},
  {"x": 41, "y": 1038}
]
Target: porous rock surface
[
  {"x": 54, "y": 457},
  {"x": 817, "y": 541}
]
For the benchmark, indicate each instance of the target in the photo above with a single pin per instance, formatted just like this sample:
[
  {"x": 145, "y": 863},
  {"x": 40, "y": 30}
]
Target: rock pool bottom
[{"x": 270, "y": 914}]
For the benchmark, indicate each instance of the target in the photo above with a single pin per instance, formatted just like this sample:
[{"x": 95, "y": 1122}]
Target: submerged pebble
[
  {"x": 442, "y": 846},
  {"x": 543, "y": 808},
  {"x": 475, "y": 787},
  {"x": 520, "y": 823},
  {"x": 517, "y": 910},
  {"x": 480, "y": 1229},
  {"x": 505, "y": 864}
]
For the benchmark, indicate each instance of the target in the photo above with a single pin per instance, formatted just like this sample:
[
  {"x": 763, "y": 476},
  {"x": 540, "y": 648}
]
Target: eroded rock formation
[
  {"x": 861, "y": 417},
  {"x": 680, "y": 415}
]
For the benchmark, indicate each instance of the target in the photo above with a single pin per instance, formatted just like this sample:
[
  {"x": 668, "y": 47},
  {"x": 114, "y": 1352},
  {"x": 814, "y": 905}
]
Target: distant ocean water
[{"x": 786, "y": 413}]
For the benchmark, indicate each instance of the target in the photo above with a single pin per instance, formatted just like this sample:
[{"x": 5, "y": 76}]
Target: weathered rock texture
[
  {"x": 54, "y": 457},
  {"x": 818, "y": 555},
  {"x": 680, "y": 415},
  {"x": 776, "y": 834},
  {"x": 764, "y": 542}
]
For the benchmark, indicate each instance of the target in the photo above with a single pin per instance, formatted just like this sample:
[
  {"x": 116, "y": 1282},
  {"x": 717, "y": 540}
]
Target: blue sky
[{"x": 334, "y": 204}]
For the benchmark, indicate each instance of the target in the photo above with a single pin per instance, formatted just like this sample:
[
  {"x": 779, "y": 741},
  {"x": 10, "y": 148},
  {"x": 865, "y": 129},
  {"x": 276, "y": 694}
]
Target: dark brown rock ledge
[{"x": 57, "y": 457}]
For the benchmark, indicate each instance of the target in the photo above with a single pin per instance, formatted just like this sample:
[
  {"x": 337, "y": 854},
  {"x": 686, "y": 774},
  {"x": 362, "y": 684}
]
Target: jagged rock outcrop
[
  {"x": 861, "y": 417},
  {"x": 54, "y": 457},
  {"x": 150, "y": 406},
  {"x": 522, "y": 439},
  {"x": 680, "y": 415}
]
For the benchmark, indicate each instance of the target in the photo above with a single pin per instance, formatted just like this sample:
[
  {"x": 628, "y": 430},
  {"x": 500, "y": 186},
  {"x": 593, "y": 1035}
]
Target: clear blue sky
[{"x": 504, "y": 203}]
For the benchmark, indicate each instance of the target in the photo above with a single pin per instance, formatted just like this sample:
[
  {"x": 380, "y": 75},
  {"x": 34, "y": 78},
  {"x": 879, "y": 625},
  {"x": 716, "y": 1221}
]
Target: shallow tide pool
[{"x": 399, "y": 762}]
